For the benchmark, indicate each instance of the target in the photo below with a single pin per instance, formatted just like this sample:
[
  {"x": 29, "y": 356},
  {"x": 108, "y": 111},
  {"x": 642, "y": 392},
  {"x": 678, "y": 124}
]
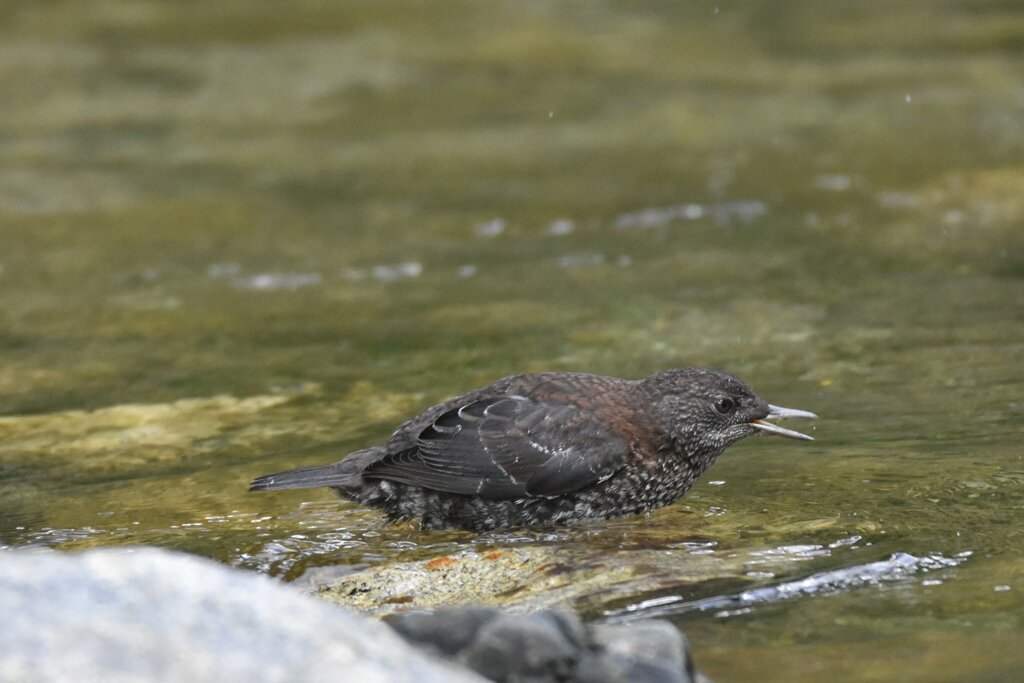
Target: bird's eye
[{"x": 725, "y": 405}]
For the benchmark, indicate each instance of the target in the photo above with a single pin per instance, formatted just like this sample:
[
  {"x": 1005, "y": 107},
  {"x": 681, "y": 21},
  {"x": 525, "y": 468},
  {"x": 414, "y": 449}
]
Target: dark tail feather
[
  {"x": 305, "y": 478},
  {"x": 343, "y": 474}
]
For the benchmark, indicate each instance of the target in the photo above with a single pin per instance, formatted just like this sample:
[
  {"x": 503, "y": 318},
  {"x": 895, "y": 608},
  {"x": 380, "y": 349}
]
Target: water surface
[{"x": 236, "y": 239}]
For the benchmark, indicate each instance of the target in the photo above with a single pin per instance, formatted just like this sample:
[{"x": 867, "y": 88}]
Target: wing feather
[{"x": 507, "y": 447}]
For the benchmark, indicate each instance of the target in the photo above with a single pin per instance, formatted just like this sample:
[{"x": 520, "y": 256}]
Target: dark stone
[
  {"x": 521, "y": 647},
  {"x": 553, "y": 646},
  {"x": 612, "y": 668},
  {"x": 447, "y": 630},
  {"x": 550, "y": 448},
  {"x": 570, "y": 625},
  {"x": 653, "y": 640}
]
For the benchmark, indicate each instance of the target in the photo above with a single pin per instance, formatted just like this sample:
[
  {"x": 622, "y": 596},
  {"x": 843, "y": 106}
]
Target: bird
[{"x": 551, "y": 448}]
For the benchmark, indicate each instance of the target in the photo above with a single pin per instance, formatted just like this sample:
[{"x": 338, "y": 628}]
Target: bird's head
[{"x": 703, "y": 412}]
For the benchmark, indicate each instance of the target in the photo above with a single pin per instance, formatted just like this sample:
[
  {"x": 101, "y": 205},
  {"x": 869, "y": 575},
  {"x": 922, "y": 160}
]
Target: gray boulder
[
  {"x": 552, "y": 646},
  {"x": 652, "y": 651},
  {"x": 156, "y": 616},
  {"x": 516, "y": 647}
]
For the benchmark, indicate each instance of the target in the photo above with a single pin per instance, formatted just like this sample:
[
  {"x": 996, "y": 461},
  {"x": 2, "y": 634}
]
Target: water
[{"x": 239, "y": 239}]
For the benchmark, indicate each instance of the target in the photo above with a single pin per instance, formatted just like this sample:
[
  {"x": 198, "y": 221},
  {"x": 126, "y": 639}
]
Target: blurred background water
[{"x": 240, "y": 237}]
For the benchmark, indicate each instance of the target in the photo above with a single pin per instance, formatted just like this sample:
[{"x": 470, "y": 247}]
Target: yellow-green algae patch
[{"x": 166, "y": 425}]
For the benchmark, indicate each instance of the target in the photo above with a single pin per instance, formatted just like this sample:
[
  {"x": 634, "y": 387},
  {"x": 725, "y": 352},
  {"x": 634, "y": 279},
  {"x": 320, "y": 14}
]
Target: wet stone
[
  {"x": 572, "y": 628},
  {"x": 447, "y": 630},
  {"x": 646, "y": 640},
  {"x": 552, "y": 646},
  {"x": 610, "y": 668},
  {"x": 521, "y": 646},
  {"x": 528, "y": 579}
]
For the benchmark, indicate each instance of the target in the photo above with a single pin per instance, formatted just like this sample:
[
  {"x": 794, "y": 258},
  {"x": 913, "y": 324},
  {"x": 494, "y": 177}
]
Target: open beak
[{"x": 777, "y": 413}]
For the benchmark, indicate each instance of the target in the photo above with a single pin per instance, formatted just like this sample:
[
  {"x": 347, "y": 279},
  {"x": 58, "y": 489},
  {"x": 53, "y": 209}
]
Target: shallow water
[{"x": 248, "y": 238}]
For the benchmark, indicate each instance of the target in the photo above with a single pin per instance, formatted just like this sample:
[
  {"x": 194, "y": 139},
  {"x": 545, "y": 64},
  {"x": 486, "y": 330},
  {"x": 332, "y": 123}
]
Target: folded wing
[{"x": 507, "y": 447}]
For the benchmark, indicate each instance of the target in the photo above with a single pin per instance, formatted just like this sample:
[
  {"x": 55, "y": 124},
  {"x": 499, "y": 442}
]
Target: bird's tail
[
  {"x": 305, "y": 478},
  {"x": 342, "y": 474}
]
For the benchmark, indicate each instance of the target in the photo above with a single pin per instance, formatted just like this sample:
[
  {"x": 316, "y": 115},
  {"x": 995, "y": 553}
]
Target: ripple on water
[
  {"x": 277, "y": 281},
  {"x": 51, "y": 537},
  {"x": 897, "y": 567},
  {"x": 742, "y": 211}
]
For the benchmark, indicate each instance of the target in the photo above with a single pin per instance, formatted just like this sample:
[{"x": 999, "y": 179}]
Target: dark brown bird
[{"x": 550, "y": 448}]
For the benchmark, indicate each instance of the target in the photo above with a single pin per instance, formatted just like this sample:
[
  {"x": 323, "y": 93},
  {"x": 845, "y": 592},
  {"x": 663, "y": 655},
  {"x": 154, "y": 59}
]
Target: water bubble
[
  {"x": 491, "y": 228},
  {"x": 219, "y": 270},
  {"x": 561, "y": 227},
  {"x": 833, "y": 182},
  {"x": 277, "y": 281}
]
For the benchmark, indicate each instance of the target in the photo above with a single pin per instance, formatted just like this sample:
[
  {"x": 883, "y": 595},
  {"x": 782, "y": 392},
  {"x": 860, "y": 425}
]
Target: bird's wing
[{"x": 507, "y": 447}]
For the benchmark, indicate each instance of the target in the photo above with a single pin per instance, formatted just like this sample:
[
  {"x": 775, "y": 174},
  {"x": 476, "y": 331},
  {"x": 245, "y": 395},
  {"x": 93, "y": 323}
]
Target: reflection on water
[{"x": 235, "y": 240}]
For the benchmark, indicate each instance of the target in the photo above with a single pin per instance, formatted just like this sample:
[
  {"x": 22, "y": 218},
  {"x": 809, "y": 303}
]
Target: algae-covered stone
[
  {"x": 131, "y": 433},
  {"x": 532, "y": 578}
]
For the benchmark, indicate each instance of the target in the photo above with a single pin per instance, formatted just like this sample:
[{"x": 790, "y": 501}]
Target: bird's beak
[{"x": 777, "y": 413}]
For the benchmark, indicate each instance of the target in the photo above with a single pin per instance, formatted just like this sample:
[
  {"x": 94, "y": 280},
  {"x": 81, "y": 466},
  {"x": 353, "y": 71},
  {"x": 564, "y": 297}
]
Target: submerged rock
[{"x": 526, "y": 579}]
